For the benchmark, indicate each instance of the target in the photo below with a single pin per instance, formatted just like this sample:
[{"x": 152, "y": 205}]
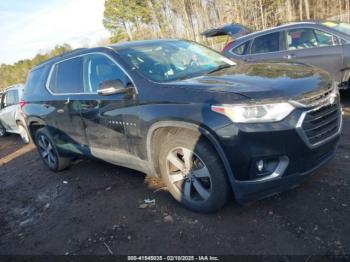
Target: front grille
[{"x": 322, "y": 123}]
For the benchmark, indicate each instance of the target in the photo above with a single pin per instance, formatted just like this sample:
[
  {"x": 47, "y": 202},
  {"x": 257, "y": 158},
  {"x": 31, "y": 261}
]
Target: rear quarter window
[
  {"x": 241, "y": 49},
  {"x": 35, "y": 82}
]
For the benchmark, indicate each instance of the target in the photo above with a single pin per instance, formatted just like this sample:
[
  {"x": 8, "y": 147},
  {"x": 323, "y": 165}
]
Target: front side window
[
  {"x": 99, "y": 68},
  {"x": 67, "y": 76},
  {"x": 266, "y": 43},
  {"x": 325, "y": 39},
  {"x": 166, "y": 61},
  {"x": 309, "y": 38},
  {"x": 301, "y": 38}
]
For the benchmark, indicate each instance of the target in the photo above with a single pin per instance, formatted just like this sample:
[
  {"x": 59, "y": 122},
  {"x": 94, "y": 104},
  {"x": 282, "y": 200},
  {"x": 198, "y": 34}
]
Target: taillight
[
  {"x": 22, "y": 103},
  {"x": 226, "y": 47}
]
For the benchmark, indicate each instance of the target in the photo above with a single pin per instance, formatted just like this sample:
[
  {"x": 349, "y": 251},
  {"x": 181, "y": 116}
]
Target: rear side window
[
  {"x": 67, "y": 76},
  {"x": 34, "y": 82},
  {"x": 266, "y": 43},
  {"x": 240, "y": 50},
  {"x": 15, "y": 96}
]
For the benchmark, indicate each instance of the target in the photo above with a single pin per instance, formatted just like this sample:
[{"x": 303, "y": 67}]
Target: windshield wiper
[{"x": 220, "y": 67}]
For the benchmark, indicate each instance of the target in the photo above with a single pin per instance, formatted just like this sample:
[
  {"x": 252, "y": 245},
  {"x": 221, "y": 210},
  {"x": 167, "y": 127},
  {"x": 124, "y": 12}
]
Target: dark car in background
[
  {"x": 185, "y": 113},
  {"x": 324, "y": 44}
]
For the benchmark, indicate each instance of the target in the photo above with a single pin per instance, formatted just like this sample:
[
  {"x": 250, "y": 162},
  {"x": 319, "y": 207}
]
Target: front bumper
[
  {"x": 248, "y": 191},
  {"x": 244, "y": 145}
]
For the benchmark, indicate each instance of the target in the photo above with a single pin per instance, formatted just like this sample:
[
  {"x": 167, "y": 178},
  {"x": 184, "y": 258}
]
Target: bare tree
[{"x": 307, "y": 9}]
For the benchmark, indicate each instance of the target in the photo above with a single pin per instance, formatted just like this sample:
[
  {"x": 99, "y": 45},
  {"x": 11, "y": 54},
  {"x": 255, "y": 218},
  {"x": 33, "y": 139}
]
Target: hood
[
  {"x": 262, "y": 81},
  {"x": 233, "y": 30}
]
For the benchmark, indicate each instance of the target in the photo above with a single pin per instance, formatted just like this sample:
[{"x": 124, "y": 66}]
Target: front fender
[{"x": 194, "y": 127}]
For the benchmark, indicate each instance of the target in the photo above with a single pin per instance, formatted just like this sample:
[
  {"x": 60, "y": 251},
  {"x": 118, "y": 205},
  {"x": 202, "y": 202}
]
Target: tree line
[
  {"x": 142, "y": 19},
  {"x": 17, "y": 73}
]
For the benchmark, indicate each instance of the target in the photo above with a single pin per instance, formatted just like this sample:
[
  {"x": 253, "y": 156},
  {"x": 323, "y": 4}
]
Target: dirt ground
[{"x": 96, "y": 208}]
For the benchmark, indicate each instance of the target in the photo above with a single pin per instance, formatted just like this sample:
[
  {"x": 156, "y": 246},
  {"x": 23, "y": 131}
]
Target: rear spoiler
[{"x": 232, "y": 30}]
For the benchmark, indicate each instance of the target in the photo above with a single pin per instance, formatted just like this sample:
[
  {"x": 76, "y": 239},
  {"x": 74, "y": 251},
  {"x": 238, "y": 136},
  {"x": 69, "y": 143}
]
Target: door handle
[{"x": 290, "y": 56}]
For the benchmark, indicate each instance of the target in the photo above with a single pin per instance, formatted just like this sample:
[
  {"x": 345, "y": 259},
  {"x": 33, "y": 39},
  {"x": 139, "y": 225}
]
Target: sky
[{"x": 28, "y": 27}]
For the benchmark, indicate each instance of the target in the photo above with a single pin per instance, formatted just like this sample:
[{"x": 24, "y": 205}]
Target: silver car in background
[
  {"x": 324, "y": 44},
  {"x": 11, "y": 115}
]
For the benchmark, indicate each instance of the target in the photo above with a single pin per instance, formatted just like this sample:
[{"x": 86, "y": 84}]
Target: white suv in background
[{"x": 11, "y": 115}]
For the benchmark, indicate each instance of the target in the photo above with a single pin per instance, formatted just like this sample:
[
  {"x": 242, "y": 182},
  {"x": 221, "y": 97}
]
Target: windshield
[
  {"x": 166, "y": 61},
  {"x": 341, "y": 27}
]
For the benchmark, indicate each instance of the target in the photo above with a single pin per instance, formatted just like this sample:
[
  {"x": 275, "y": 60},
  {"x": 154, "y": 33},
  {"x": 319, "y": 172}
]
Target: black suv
[{"x": 183, "y": 112}]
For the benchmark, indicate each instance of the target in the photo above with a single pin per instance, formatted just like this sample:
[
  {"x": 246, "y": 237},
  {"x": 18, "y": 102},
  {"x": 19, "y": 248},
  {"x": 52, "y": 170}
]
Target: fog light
[{"x": 260, "y": 165}]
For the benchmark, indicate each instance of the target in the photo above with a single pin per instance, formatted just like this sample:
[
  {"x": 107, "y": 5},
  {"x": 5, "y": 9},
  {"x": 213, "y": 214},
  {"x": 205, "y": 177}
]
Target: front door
[
  {"x": 106, "y": 118},
  {"x": 315, "y": 47}
]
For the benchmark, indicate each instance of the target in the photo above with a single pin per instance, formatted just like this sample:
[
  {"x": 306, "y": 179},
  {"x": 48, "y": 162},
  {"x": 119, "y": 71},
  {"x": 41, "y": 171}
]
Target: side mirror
[{"x": 111, "y": 87}]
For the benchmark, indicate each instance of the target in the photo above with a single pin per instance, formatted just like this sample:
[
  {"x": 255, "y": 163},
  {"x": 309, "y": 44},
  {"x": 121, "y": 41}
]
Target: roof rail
[{"x": 77, "y": 50}]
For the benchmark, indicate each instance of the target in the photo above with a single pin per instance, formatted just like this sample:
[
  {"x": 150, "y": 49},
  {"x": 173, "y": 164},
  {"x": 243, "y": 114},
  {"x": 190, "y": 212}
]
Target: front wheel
[
  {"x": 48, "y": 151},
  {"x": 193, "y": 172}
]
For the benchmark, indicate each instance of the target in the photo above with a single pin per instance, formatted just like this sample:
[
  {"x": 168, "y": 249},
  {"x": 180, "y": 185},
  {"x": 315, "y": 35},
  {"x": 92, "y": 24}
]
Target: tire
[
  {"x": 3, "y": 132},
  {"x": 48, "y": 151},
  {"x": 202, "y": 184},
  {"x": 23, "y": 132}
]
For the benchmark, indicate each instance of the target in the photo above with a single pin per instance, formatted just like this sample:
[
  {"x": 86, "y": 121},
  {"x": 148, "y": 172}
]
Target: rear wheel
[
  {"x": 3, "y": 131},
  {"x": 48, "y": 151},
  {"x": 193, "y": 172}
]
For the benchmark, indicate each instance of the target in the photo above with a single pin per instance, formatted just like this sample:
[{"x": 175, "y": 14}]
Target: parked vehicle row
[
  {"x": 11, "y": 115},
  {"x": 324, "y": 44},
  {"x": 208, "y": 127}
]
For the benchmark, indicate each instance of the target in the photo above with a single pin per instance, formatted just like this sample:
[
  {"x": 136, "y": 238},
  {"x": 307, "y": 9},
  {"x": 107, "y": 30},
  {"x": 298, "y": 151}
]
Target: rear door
[
  {"x": 267, "y": 47},
  {"x": 314, "y": 47},
  {"x": 67, "y": 89}
]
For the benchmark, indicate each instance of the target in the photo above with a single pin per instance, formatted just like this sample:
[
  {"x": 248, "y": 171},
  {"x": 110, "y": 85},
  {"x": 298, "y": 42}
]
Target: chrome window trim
[{"x": 47, "y": 84}]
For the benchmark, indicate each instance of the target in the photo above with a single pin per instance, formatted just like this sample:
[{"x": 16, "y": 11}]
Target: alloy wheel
[
  {"x": 188, "y": 174},
  {"x": 47, "y": 151}
]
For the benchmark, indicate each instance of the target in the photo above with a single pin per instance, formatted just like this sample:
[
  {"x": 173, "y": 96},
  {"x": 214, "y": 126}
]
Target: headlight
[{"x": 254, "y": 113}]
